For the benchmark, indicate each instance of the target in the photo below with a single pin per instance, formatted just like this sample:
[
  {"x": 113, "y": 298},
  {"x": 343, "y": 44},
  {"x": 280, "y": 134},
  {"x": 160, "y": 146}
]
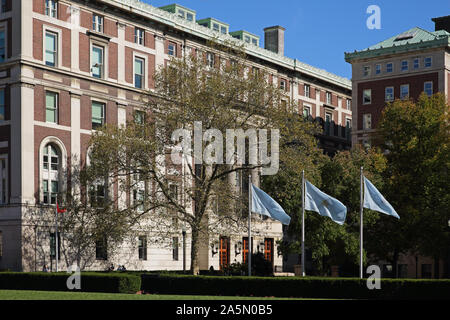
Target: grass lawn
[{"x": 62, "y": 295}]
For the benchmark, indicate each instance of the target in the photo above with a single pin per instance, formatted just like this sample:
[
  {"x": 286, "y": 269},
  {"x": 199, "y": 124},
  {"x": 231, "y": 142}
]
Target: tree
[
  {"x": 416, "y": 136},
  {"x": 199, "y": 96}
]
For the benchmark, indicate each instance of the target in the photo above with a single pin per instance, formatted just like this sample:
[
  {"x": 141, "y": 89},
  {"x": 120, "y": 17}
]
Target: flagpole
[
  {"x": 249, "y": 225},
  {"x": 361, "y": 226},
  {"x": 303, "y": 223},
  {"x": 56, "y": 237}
]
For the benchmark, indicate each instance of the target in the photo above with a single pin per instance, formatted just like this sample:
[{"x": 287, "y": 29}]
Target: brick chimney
[
  {"x": 274, "y": 39},
  {"x": 442, "y": 23}
]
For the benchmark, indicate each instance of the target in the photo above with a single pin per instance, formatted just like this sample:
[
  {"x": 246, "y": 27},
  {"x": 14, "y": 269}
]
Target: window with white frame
[
  {"x": 367, "y": 121},
  {"x": 328, "y": 97},
  {"x": 172, "y": 49},
  {"x": 427, "y": 61},
  {"x": 98, "y": 61},
  {"x": 223, "y": 30},
  {"x": 189, "y": 16},
  {"x": 4, "y": 179},
  {"x": 306, "y": 112},
  {"x": 210, "y": 59},
  {"x": 215, "y": 27},
  {"x": 428, "y": 88},
  {"x": 2, "y": 104},
  {"x": 389, "y": 93},
  {"x": 142, "y": 248},
  {"x": 138, "y": 199},
  {"x": 97, "y": 194},
  {"x": 416, "y": 63},
  {"x": 348, "y": 128},
  {"x": 51, "y": 107},
  {"x": 139, "y": 74},
  {"x": 181, "y": 13},
  {"x": 389, "y": 67},
  {"x": 328, "y": 123},
  {"x": 97, "y": 23},
  {"x": 404, "y": 65},
  {"x": 98, "y": 115},
  {"x": 175, "y": 246},
  {"x": 51, "y": 165},
  {"x": 139, "y": 36},
  {"x": 51, "y": 49},
  {"x": 367, "y": 96},
  {"x": 2, "y": 45},
  {"x": 366, "y": 71},
  {"x": 51, "y": 8},
  {"x": 283, "y": 85},
  {"x": 404, "y": 91},
  {"x": 349, "y": 104},
  {"x": 307, "y": 90}
]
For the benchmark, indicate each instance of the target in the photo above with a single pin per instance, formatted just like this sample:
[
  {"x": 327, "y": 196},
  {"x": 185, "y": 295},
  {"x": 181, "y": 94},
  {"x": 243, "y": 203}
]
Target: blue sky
[{"x": 318, "y": 32}]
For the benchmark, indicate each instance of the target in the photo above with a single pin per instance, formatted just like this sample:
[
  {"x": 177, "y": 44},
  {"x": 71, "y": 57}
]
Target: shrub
[{"x": 90, "y": 282}]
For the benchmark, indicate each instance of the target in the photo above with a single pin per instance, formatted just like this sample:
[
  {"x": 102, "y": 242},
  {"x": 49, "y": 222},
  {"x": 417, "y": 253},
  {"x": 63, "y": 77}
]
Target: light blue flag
[
  {"x": 325, "y": 205},
  {"x": 374, "y": 200},
  {"x": 263, "y": 204}
]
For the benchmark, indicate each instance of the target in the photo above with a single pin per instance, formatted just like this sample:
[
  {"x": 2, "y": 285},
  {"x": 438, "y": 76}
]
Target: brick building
[
  {"x": 68, "y": 67},
  {"x": 401, "y": 67}
]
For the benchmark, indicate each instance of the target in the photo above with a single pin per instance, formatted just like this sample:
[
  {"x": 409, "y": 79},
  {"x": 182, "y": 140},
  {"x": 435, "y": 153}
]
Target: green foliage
[
  {"x": 90, "y": 282},
  {"x": 340, "y": 288}
]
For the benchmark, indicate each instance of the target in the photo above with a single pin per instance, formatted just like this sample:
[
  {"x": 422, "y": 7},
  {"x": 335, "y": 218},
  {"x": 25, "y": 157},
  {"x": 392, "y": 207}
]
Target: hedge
[
  {"x": 90, "y": 282},
  {"x": 308, "y": 287}
]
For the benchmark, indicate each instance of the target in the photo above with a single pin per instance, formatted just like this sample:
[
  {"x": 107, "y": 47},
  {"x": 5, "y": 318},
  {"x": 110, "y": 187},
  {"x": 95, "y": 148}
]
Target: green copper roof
[{"x": 412, "y": 39}]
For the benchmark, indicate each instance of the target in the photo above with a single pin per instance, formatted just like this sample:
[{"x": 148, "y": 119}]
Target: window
[
  {"x": 97, "y": 23},
  {"x": 97, "y": 61},
  {"x": 349, "y": 104},
  {"x": 173, "y": 192},
  {"x": 97, "y": 195},
  {"x": 328, "y": 119},
  {"x": 4, "y": 8},
  {"x": 2, "y": 46},
  {"x": 215, "y": 27},
  {"x": 181, "y": 13},
  {"x": 50, "y": 173},
  {"x": 2, "y": 104},
  {"x": 172, "y": 49},
  {"x": 51, "y": 8},
  {"x": 404, "y": 91},
  {"x": 283, "y": 85},
  {"x": 366, "y": 71},
  {"x": 139, "y": 73},
  {"x": 4, "y": 179},
  {"x": 51, "y": 107},
  {"x": 139, "y": 36},
  {"x": 101, "y": 249},
  {"x": 348, "y": 128},
  {"x": 139, "y": 117},
  {"x": 142, "y": 249},
  {"x": 307, "y": 90},
  {"x": 328, "y": 97},
  {"x": 98, "y": 115},
  {"x": 427, "y": 62},
  {"x": 247, "y": 39},
  {"x": 306, "y": 112},
  {"x": 254, "y": 41},
  {"x": 189, "y": 17},
  {"x": 53, "y": 246},
  {"x": 428, "y": 88},
  {"x": 377, "y": 68},
  {"x": 389, "y": 67},
  {"x": 367, "y": 96},
  {"x": 138, "y": 199},
  {"x": 389, "y": 93},
  {"x": 405, "y": 65},
  {"x": 175, "y": 248},
  {"x": 51, "y": 49},
  {"x": 416, "y": 63},
  {"x": 223, "y": 30},
  {"x": 210, "y": 59},
  {"x": 367, "y": 121}
]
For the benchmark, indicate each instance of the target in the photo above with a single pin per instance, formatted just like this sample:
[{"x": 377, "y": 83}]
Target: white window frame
[
  {"x": 307, "y": 107},
  {"x": 416, "y": 65},
  {"x": 330, "y": 128},
  {"x": 378, "y": 68},
  {"x": 425, "y": 86},
  {"x": 425, "y": 62},
  {"x": 103, "y": 103},
  {"x": 392, "y": 69},
  {"x": 144, "y": 66},
  {"x": 370, "y": 96},
  {"x": 56, "y": 109},
  {"x": 4, "y": 177},
  {"x": 403, "y": 86},
  {"x": 386, "y": 93},
  {"x": 283, "y": 85},
  {"x": 366, "y": 71},
  {"x": 174, "y": 51},
  {"x": 49, "y": 10},
  {"x": 188, "y": 14},
  {"x": 139, "y": 36},
  {"x": 402, "y": 68},
  {"x": 348, "y": 129},
  {"x": 104, "y": 69},
  {"x": 210, "y": 59},
  {"x": 348, "y": 104},
  {"x": 328, "y": 97},
  {"x": 58, "y": 33},
  {"x": 98, "y": 23},
  {"x": 307, "y": 89},
  {"x": 367, "y": 126}
]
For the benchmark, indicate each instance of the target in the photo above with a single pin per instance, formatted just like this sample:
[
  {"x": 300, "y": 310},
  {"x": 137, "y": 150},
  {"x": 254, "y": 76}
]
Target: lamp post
[{"x": 184, "y": 248}]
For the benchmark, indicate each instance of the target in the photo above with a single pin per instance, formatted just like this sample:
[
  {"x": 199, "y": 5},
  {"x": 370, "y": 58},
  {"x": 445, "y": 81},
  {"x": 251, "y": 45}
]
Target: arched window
[{"x": 51, "y": 172}]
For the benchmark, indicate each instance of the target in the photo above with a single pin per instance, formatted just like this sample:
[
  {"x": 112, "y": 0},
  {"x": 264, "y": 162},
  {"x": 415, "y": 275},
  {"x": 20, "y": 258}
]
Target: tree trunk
[{"x": 195, "y": 268}]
